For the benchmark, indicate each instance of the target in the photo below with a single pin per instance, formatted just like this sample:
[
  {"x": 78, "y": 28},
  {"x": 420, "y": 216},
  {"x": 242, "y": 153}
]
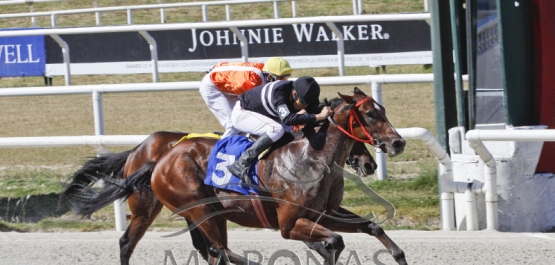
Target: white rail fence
[
  {"x": 232, "y": 25},
  {"x": 489, "y": 188},
  {"x": 28, "y": 2},
  {"x": 357, "y": 9},
  {"x": 447, "y": 185},
  {"x": 129, "y": 9},
  {"x": 100, "y": 141}
]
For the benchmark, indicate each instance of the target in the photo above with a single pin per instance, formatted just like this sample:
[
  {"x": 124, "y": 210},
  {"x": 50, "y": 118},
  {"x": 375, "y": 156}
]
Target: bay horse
[
  {"x": 144, "y": 205},
  {"x": 309, "y": 213}
]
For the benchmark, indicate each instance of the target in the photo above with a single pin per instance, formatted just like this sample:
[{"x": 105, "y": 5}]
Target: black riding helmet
[{"x": 308, "y": 91}]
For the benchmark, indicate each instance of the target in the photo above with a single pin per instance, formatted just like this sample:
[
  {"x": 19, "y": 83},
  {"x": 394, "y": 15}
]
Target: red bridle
[{"x": 352, "y": 116}]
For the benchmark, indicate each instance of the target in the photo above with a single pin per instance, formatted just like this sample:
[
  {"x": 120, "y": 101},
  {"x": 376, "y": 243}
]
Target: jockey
[
  {"x": 221, "y": 87},
  {"x": 268, "y": 111}
]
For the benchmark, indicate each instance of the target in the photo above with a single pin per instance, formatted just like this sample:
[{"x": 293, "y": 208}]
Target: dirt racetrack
[{"x": 421, "y": 247}]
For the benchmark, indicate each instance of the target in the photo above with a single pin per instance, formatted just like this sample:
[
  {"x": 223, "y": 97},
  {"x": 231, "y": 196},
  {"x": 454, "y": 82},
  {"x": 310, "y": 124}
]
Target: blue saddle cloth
[{"x": 225, "y": 153}]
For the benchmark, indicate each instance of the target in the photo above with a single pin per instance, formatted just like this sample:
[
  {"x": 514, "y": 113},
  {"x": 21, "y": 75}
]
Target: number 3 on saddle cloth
[{"x": 224, "y": 153}]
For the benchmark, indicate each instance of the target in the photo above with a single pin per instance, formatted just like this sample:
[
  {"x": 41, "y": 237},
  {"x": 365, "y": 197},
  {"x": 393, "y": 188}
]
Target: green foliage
[
  {"x": 9, "y": 227},
  {"x": 30, "y": 181},
  {"x": 76, "y": 225},
  {"x": 414, "y": 199}
]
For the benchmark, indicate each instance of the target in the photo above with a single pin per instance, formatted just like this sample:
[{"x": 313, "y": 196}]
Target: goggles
[{"x": 283, "y": 76}]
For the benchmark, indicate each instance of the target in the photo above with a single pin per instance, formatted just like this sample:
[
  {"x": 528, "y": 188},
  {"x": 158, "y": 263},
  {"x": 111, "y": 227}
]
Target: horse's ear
[
  {"x": 348, "y": 99},
  {"x": 359, "y": 92}
]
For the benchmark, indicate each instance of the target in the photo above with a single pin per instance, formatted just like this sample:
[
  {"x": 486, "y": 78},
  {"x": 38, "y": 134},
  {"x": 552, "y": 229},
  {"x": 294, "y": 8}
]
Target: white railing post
[
  {"x": 380, "y": 156},
  {"x": 119, "y": 207},
  {"x": 53, "y": 20},
  {"x": 447, "y": 211},
  {"x": 97, "y": 14},
  {"x": 490, "y": 187},
  {"x": 129, "y": 16},
  {"x": 98, "y": 113},
  {"x": 204, "y": 13},
  {"x": 227, "y": 12},
  {"x": 355, "y": 7},
  {"x": 293, "y": 9},
  {"x": 33, "y": 18},
  {"x": 153, "y": 54},
  {"x": 162, "y": 13},
  {"x": 276, "y": 10},
  {"x": 244, "y": 44},
  {"x": 65, "y": 54},
  {"x": 340, "y": 47},
  {"x": 471, "y": 211}
]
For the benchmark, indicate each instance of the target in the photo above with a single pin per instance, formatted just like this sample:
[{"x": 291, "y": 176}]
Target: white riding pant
[
  {"x": 255, "y": 123},
  {"x": 220, "y": 104}
]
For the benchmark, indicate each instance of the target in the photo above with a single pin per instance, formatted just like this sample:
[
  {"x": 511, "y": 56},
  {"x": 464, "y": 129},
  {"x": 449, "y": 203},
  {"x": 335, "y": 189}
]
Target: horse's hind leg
[
  {"x": 144, "y": 207},
  {"x": 144, "y": 211},
  {"x": 213, "y": 227},
  {"x": 214, "y": 230},
  {"x": 200, "y": 242},
  {"x": 367, "y": 227}
]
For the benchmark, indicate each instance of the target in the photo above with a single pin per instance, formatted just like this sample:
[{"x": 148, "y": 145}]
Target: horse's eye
[{"x": 378, "y": 107}]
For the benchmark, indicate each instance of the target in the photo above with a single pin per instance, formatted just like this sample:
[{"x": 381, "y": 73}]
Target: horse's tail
[
  {"x": 104, "y": 168},
  {"x": 90, "y": 200}
]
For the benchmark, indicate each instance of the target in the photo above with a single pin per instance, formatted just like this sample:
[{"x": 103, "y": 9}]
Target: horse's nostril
[
  {"x": 399, "y": 144},
  {"x": 370, "y": 166}
]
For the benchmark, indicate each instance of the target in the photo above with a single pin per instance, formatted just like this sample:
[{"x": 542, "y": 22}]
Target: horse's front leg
[
  {"x": 347, "y": 222},
  {"x": 313, "y": 235}
]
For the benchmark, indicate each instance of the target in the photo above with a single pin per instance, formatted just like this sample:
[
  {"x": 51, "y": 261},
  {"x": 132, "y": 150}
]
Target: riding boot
[{"x": 241, "y": 167}]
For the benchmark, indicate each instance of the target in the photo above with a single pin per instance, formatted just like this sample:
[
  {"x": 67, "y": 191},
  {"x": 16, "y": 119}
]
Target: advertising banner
[
  {"x": 22, "y": 56},
  {"x": 303, "y": 45}
]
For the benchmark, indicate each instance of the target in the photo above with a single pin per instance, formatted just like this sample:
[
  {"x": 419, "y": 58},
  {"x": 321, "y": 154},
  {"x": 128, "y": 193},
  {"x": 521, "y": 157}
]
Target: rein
[{"x": 352, "y": 117}]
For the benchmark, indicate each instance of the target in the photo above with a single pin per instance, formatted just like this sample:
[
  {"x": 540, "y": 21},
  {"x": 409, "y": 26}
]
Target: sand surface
[{"x": 421, "y": 247}]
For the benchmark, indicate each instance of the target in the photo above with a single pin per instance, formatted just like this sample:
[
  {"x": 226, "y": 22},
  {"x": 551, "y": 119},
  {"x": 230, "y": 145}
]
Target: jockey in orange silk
[{"x": 221, "y": 87}]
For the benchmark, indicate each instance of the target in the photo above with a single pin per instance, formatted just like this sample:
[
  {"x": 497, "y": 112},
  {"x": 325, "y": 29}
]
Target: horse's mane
[{"x": 334, "y": 102}]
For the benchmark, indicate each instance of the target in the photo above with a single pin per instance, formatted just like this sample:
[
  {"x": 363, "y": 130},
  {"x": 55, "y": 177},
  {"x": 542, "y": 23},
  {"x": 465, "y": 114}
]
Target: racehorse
[
  {"x": 145, "y": 206},
  {"x": 302, "y": 212}
]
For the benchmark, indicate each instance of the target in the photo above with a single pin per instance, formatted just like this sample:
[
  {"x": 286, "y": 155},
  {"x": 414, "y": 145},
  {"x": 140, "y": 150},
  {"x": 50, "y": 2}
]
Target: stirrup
[
  {"x": 243, "y": 173},
  {"x": 245, "y": 177}
]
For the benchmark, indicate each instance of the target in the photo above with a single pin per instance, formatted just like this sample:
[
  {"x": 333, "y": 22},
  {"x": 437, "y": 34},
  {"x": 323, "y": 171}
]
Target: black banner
[{"x": 289, "y": 41}]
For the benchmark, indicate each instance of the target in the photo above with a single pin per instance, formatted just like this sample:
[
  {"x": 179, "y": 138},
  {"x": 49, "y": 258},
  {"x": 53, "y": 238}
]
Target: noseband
[{"x": 352, "y": 117}]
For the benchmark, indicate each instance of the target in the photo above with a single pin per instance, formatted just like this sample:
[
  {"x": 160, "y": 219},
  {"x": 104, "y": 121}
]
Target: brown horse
[
  {"x": 145, "y": 206},
  {"x": 302, "y": 212}
]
